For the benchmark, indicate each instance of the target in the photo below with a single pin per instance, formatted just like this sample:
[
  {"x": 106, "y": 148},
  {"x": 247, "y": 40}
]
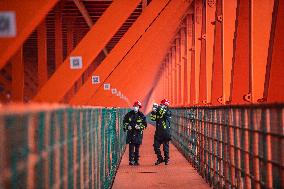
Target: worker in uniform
[
  {"x": 161, "y": 115},
  {"x": 134, "y": 123}
]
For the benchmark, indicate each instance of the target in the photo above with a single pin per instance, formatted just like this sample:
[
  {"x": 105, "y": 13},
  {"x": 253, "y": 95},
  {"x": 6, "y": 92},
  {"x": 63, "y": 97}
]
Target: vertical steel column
[
  {"x": 241, "y": 66},
  {"x": 197, "y": 46},
  {"x": 162, "y": 83},
  {"x": 229, "y": 25},
  {"x": 275, "y": 71},
  {"x": 165, "y": 78},
  {"x": 178, "y": 82},
  {"x": 173, "y": 76},
  {"x": 42, "y": 54},
  {"x": 189, "y": 52},
  {"x": 18, "y": 74},
  {"x": 192, "y": 74},
  {"x": 217, "y": 71},
  {"x": 261, "y": 20},
  {"x": 168, "y": 77},
  {"x": 58, "y": 37},
  {"x": 202, "y": 68},
  {"x": 182, "y": 65},
  {"x": 70, "y": 46},
  {"x": 70, "y": 36},
  {"x": 176, "y": 67},
  {"x": 210, "y": 28}
]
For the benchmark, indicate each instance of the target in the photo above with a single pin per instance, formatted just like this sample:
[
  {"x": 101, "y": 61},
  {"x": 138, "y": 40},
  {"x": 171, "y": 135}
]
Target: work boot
[{"x": 159, "y": 161}]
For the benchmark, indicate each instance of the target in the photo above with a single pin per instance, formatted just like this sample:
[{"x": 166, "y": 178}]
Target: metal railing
[
  {"x": 60, "y": 147},
  {"x": 233, "y": 146}
]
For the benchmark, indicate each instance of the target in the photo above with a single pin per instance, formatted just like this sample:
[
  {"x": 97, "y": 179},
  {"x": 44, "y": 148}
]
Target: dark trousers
[
  {"x": 166, "y": 149},
  {"x": 134, "y": 152}
]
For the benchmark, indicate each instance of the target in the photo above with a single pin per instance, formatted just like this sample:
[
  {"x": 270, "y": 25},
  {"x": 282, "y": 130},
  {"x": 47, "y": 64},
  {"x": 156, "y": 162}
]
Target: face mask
[{"x": 135, "y": 108}]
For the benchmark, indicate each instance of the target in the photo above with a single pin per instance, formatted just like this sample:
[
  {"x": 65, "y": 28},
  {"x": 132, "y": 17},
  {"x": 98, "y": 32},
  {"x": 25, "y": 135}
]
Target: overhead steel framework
[{"x": 192, "y": 52}]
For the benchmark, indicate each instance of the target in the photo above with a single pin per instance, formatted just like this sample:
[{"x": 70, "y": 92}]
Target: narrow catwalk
[{"x": 179, "y": 174}]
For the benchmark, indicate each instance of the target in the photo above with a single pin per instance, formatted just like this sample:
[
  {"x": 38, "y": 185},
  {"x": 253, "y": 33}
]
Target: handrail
[
  {"x": 233, "y": 146},
  {"x": 58, "y": 146}
]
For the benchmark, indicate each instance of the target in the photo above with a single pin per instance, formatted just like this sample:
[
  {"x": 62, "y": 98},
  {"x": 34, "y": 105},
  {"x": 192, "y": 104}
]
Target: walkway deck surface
[{"x": 179, "y": 174}]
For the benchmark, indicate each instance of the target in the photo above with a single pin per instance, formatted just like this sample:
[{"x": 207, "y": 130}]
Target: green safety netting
[
  {"x": 61, "y": 148},
  {"x": 232, "y": 146}
]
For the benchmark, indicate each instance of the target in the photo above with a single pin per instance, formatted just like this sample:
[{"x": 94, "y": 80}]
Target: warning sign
[{"x": 7, "y": 24}]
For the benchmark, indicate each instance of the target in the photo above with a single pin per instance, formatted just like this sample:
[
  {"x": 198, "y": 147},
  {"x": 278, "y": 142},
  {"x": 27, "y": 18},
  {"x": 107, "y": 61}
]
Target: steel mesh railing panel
[
  {"x": 61, "y": 148},
  {"x": 233, "y": 146}
]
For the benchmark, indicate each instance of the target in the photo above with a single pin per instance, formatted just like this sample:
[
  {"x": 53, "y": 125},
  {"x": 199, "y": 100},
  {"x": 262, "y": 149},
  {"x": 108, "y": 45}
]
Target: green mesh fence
[
  {"x": 61, "y": 148},
  {"x": 233, "y": 146}
]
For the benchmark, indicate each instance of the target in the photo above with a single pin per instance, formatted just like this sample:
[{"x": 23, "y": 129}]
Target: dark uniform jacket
[
  {"x": 134, "y": 136},
  {"x": 163, "y": 123}
]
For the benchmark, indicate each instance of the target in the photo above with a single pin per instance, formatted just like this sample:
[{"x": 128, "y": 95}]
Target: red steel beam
[
  {"x": 28, "y": 15},
  {"x": 189, "y": 46},
  {"x": 88, "y": 48},
  {"x": 197, "y": 46},
  {"x": 42, "y": 54},
  {"x": 170, "y": 77},
  {"x": 86, "y": 16},
  {"x": 150, "y": 57},
  {"x": 58, "y": 37},
  {"x": 70, "y": 35},
  {"x": 172, "y": 74},
  {"x": 241, "y": 66},
  {"x": 261, "y": 20},
  {"x": 210, "y": 29},
  {"x": 202, "y": 66},
  {"x": 275, "y": 70},
  {"x": 144, "y": 4},
  {"x": 217, "y": 70},
  {"x": 84, "y": 12},
  {"x": 18, "y": 77},
  {"x": 175, "y": 77},
  {"x": 120, "y": 50},
  {"x": 228, "y": 31},
  {"x": 183, "y": 62}
]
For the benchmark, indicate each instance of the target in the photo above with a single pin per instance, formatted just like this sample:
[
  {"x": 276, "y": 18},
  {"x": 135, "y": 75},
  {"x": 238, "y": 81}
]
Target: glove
[
  {"x": 129, "y": 127},
  {"x": 162, "y": 111},
  {"x": 137, "y": 127}
]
